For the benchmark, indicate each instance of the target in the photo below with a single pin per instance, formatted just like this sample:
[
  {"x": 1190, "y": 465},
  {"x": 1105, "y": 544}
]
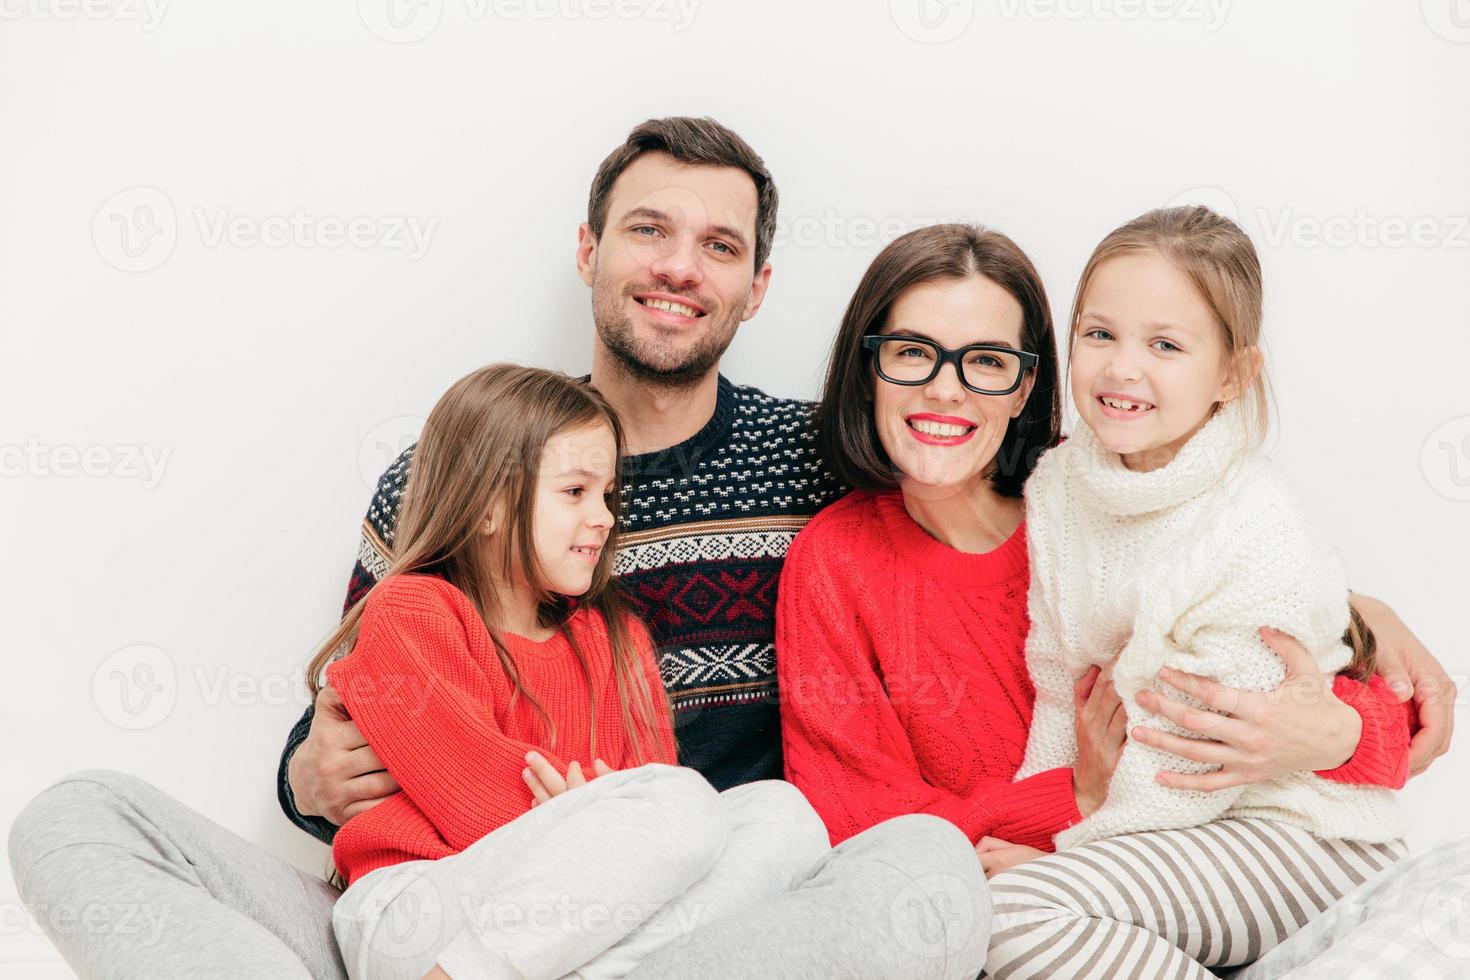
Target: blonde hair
[
  {"x": 1219, "y": 259},
  {"x": 480, "y": 453},
  {"x": 1221, "y": 262}
]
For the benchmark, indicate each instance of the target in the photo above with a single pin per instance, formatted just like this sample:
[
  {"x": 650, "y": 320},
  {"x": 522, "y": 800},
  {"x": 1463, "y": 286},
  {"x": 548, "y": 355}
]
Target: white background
[{"x": 271, "y": 382}]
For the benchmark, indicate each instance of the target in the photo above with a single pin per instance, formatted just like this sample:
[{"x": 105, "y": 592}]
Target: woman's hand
[
  {"x": 1411, "y": 671},
  {"x": 1253, "y": 736},
  {"x": 546, "y": 782},
  {"x": 1101, "y": 729},
  {"x": 999, "y": 855}
]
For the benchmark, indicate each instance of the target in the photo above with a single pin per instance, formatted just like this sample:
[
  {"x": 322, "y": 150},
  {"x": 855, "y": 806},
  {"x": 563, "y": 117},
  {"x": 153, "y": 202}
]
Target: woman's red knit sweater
[
  {"x": 426, "y": 688},
  {"x": 904, "y": 684}
]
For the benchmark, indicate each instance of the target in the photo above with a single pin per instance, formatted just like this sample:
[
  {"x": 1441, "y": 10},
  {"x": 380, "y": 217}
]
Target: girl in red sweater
[{"x": 492, "y": 671}]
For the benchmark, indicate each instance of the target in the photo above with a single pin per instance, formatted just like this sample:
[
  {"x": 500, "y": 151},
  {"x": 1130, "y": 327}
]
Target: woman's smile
[{"x": 940, "y": 430}]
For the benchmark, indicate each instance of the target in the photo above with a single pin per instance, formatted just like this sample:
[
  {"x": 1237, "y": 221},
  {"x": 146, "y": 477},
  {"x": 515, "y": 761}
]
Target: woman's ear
[
  {"x": 1245, "y": 367},
  {"x": 490, "y": 523},
  {"x": 1023, "y": 394}
]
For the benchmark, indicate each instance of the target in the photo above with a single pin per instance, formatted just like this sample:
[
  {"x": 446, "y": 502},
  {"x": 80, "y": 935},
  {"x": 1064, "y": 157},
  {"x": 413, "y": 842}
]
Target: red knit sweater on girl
[
  {"x": 905, "y": 690},
  {"x": 426, "y": 688}
]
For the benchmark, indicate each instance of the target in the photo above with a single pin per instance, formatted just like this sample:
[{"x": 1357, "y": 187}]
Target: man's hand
[
  {"x": 1412, "y": 671},
  {"x": 1254, "y": 736},
  {"x": 1101, "y": 725},
  {"x": 334, "y": 773}
]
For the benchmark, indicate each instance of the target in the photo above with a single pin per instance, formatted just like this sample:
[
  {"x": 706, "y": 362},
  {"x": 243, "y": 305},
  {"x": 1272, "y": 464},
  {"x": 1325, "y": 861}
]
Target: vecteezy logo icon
[
  {"x": 936, "y": 915},
  {"x": 932, "y": 21},
  {"x": 382, "y": 446},
  {"x": 1450, "y": 19},
  {"x": 134, "y": 230},
  {"x": 1445, "y": 916},
  {"x": 1446, "y": 459},
  {"x": 135, "y": 687},
  {"x": 400, "y": 21},
  {"x": 1214, "y": 198},
  {"x": 406, "y": 915}
]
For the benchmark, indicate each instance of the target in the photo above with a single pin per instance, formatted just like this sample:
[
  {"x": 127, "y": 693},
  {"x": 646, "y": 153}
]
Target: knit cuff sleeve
[
  {"x": 1030, "y": 812},
  {"x": 1382, "y": 755}
]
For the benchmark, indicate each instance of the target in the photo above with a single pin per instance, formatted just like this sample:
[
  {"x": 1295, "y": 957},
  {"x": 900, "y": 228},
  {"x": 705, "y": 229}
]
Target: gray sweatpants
[
  {"x": 588, "y": 884},
  {"x": 155, "y": 890}
]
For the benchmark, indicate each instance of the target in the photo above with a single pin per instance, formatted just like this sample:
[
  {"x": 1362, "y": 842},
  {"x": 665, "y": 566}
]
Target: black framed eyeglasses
[{"x": 986, "y": 369}]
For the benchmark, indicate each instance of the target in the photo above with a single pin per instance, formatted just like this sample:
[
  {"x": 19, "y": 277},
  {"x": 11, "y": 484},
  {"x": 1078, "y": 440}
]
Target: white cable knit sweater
[{"x": 1180, "y": 566}]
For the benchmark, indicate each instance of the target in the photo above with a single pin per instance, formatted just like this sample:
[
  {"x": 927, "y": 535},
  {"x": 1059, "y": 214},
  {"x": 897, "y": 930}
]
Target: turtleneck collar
[{"x": 1202, "y": 463}]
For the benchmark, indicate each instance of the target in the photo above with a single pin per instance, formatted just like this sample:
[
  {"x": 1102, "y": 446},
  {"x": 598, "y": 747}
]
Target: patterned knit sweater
[
  {"x": 705, "y": 526},
  {"x": 1180, "y": 566},
  {"x": 426, "y": 687}
]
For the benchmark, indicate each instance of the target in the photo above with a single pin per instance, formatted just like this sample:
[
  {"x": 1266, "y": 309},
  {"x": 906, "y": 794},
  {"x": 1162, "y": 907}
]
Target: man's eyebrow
[
  {"x": 653, "y": 214},
  {"x": 645, "y": 212},
  {"x": 729, "y": 232}
]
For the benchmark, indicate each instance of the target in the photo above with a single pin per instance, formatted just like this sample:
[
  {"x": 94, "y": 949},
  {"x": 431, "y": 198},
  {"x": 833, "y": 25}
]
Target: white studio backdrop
[{"x": 244, "y": 248}]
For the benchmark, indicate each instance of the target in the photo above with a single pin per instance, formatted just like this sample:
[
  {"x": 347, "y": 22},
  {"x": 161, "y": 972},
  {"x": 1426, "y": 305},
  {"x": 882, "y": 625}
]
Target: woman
[{"x": 902, "y": 611}]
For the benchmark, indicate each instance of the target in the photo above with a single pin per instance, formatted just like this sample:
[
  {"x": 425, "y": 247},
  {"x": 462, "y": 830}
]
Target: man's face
[{"x": 672, "y": 274}]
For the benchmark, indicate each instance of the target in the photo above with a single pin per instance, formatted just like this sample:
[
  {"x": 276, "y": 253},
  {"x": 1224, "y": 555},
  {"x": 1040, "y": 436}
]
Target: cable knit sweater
[
  {"x": 903, "y": 686},
  {"x": 424, "y": 684},
  {"x": 1180, "y": 566}
]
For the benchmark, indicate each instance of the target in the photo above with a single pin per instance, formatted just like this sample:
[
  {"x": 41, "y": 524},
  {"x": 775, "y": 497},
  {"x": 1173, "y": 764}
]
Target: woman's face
[{"x": 942, "y": 436}]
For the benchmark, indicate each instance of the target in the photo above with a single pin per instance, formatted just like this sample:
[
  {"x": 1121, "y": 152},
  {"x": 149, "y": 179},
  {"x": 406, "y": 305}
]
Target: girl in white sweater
[{"x": 1160, "y": 535}]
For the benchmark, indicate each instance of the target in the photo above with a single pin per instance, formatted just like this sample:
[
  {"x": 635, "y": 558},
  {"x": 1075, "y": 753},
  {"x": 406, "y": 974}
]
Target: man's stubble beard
[{"x": 657, "y": 363}]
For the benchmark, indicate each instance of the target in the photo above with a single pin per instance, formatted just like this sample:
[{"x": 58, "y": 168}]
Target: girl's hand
[
  {"x": 1101, "y": 727},
  {"x": 546, "y": 782},
  {"x": 999, "y": 855},
  {"x": 1254, "y": 736}
]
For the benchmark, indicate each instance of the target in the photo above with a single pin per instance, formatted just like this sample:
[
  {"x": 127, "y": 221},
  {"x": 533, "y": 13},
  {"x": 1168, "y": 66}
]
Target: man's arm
[
  {"x": 327, "y": 773},
  {"x": 322, "y": 829}
]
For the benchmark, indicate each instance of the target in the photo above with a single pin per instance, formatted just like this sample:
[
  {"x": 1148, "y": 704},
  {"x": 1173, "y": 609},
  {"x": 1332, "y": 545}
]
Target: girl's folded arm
[{"x": 423, "y": 704}]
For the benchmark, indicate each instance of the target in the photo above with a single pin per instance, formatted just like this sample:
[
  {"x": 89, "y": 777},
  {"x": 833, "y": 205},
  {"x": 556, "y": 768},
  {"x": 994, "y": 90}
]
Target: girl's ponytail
[{"x": 1365, "y": 648}]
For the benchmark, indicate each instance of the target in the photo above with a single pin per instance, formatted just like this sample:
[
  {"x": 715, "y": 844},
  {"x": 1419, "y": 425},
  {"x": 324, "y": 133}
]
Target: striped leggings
[{"x": 1168, "y": 904}]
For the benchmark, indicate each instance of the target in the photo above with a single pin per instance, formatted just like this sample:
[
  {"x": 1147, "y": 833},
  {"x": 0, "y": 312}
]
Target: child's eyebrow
[{"x": 1170, "y": 327}]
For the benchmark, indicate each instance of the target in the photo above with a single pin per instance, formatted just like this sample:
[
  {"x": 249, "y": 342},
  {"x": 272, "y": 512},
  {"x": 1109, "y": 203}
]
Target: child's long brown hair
[
  {"x": 1220, "y": 260},
  {"x": 480, "y": 453}
]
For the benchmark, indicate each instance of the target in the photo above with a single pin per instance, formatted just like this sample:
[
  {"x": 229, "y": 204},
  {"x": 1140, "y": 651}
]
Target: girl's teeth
[{"x": 1122, "y": 405}]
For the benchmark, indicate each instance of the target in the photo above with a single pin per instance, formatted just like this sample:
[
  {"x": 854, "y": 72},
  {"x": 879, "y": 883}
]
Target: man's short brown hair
[{"x": 698, "y": 142}]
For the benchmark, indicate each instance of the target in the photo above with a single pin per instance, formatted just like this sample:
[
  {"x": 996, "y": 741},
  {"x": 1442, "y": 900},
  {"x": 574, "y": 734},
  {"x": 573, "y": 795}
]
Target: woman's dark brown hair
[{"x": 845, "y": 431}]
